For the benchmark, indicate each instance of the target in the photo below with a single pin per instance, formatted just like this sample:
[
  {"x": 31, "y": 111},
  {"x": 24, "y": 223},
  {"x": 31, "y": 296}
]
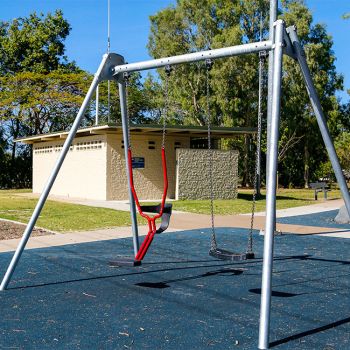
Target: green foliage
[
  {"x": 193, "y": 25},
  {"x": 35, "y": 103},
  {"x": 302, "y": 161},
  {"x": 34, "y": 44},
  {"x": 39, "y": 89},
  {"x": 58, "y": 216},
  {"x": 200, "y": 25},
  {"x": 140, "y": 101},
  {"x": 42, "y": 102},
  {"x": 243, "y": 204},
  {"x": 342, "y": 146}
]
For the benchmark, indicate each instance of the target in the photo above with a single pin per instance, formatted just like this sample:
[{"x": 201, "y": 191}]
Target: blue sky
[{"x": 130, "y": 27}]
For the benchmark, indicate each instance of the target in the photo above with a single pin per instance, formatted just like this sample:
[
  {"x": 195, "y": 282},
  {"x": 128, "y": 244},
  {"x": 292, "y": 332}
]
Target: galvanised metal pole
[
  {"x": 125, "y": 125},
  {"x": 10, "y": 270},
  {"x": 194, "y": 57},
  {"x": 272, "y": 20},
  {"x": 321, "y": 119},
  {"x": 265, "y": 306}
]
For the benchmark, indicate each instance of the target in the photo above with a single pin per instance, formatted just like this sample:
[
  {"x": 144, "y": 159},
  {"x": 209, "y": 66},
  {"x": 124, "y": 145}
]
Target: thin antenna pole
[
  {"x": 261, "y": 24},
  {"x": 108, "y": 51},
  {"x": 108, "y": 26}
]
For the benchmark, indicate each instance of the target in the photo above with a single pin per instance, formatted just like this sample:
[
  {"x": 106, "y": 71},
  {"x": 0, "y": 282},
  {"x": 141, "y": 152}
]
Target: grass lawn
[
  {"x": 58, "y": 216},
  {"x": 62, "y": 217},
  {"x": 243, "y": 204}
]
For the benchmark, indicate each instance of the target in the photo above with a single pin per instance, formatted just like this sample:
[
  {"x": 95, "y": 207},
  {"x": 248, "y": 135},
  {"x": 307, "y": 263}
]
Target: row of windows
[
  {"x": 152, "y": 144},
  {"x": 43, "y": 149},
  {"x": 97, "y": 144},
  {"x": 88, "y": 145}
]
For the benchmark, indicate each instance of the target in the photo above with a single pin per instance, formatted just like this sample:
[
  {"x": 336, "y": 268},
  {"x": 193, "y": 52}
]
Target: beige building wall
[
  {"x": 148, "y": 181},
  {"x": 95, "y": 168},
  {"x": 193, "y": 174},
  {"x": 83, "y": 173}
]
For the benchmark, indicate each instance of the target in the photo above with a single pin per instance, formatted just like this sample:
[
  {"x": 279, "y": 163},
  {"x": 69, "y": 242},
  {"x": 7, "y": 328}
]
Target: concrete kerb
[
  {"x": 180, "y": 221},
  {"x": 60, "y": 239},
  {"x": 35, "y": 227},
  {"x": 306, "y": 209}
]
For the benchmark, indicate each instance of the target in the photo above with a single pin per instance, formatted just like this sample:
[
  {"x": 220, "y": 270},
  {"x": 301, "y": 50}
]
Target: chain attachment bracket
[
  {"x": 209, "y": 64},
  {"x": 168, "y": 69}
]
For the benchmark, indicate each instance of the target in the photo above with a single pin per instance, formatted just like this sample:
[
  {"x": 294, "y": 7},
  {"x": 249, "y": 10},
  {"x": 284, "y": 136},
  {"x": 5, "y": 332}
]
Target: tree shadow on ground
[
  {"x": 310, "y": 332},
  {"x": 249, "y": 197}
]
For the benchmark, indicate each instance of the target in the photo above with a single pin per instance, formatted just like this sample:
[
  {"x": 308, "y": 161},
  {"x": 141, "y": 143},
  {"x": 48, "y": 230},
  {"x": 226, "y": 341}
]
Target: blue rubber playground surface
[{"x": 69, "y": 298}]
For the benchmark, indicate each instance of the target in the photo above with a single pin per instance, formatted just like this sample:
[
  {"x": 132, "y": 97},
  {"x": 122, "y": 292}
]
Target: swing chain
[
  {"x": 262, "y": 57},
  {"x": 126, "y": 77},
  {"x": 168, "y": 69},
  {"x": 213, "y": 242}
]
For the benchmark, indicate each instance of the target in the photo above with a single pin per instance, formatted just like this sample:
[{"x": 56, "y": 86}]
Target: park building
[{"x": 94, "y": 167}]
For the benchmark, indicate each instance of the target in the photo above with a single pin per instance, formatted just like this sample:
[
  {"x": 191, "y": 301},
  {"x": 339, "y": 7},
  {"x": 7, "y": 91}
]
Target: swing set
[
  {"x": 281, "y": 41},
  {"x": 163, "y": 210}
]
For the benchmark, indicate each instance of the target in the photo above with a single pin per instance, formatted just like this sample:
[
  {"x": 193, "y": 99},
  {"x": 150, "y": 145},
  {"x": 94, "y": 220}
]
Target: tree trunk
[
  {"x": 15, "y": 133},
  {"x": 306, "y": 166}
]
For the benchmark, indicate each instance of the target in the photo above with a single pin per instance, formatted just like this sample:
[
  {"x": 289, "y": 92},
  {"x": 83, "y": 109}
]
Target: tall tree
[
  {"x": 193, "y": 25},
  {"x": 30, "y": 49},
  {"x": 301, "y": 163},
  {"x": 34, "y": 43}
]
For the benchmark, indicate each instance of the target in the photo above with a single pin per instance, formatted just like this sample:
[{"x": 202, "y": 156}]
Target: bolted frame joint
[
  {"x": 291, "y": 46},
  {"x": 111, "y": 60}
]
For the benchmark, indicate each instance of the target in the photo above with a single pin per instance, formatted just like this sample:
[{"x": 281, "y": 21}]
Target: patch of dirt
[{"x": 10, "y": 230}]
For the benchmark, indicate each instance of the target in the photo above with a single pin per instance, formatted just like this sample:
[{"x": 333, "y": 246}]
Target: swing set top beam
[{"x": 194, "y": 57}]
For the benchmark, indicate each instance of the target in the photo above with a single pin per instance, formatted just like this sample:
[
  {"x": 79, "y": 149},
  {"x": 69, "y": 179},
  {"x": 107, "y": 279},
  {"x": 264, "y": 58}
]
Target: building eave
[{"x": 145, "y": 129}]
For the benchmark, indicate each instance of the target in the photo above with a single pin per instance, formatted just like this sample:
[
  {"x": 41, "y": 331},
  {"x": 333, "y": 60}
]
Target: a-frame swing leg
[
  {"x": 265, "y": 306},
  {"x": 272, "y": 167},
  {"x": 104, "y": 72},
  {"x": 321, "y": 120},
  {"x": 125, "y": 125}
]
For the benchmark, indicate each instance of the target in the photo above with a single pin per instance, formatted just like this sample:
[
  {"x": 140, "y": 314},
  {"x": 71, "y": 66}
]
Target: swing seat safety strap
[{"x": 151, "y": 220}]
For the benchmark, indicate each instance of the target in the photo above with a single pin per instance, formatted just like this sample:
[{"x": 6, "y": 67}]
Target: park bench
[{"x": 320, "y": 187}]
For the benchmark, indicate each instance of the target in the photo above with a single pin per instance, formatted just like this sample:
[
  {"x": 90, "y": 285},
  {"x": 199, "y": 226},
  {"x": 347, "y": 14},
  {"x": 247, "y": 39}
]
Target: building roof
[{"x": 145, "y": 129}]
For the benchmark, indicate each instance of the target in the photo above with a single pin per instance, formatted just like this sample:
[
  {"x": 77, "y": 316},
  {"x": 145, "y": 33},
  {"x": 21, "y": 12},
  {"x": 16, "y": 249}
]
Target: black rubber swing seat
[
  {"x": 165, "y": 216},
  {"x": 124, "y": 261},
  {"x": 223, "y": 254},
  {"x": 127, "y": 261}
]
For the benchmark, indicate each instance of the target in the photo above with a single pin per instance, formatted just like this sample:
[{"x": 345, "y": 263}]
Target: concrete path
[
  {"x": 318, "y": 207},
  {"x": 184, "y": 221},
  {"x": 116, "y": 205}
]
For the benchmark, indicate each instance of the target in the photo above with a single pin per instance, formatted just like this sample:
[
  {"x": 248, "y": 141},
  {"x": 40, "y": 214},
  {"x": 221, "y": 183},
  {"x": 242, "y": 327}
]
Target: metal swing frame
[
  {"x": 162, "y": 210},
  {"x": 281, "y": 40}
]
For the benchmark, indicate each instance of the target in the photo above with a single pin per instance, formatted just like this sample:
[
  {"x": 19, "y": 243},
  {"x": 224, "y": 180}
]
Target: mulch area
[{"x": 10, "y": 230}]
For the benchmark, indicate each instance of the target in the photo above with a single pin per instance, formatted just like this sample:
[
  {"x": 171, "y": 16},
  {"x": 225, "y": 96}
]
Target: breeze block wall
[
  {"x": 193, "y": 181},
  {"x": 149, "y": 180}
]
